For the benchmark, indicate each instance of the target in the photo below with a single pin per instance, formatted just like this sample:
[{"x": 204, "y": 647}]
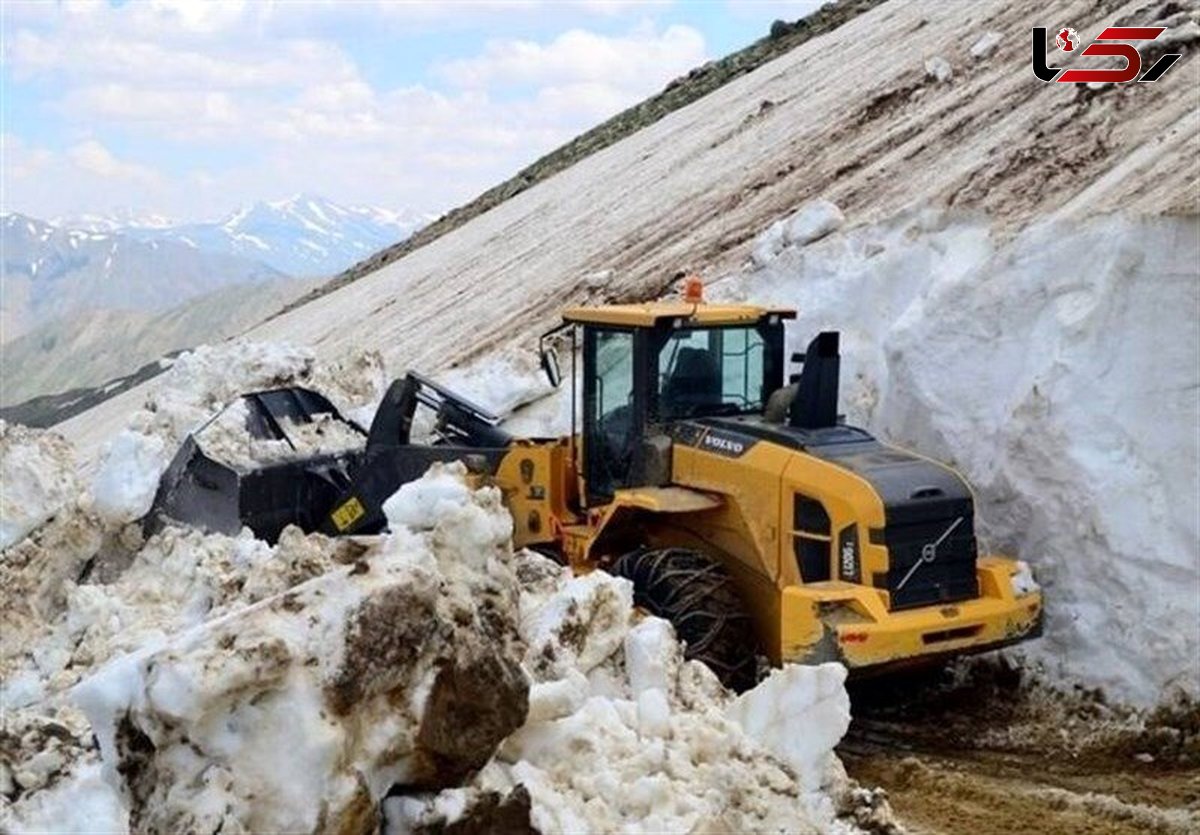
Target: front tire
[{"x": 696, "y": 595}]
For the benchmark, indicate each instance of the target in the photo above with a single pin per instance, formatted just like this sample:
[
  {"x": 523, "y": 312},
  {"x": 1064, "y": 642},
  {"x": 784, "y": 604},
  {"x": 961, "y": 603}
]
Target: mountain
[
  {"x": 95, "y": 346},
  {"x": 304, "y": 235},
  {"x": 51, "y": 272}
]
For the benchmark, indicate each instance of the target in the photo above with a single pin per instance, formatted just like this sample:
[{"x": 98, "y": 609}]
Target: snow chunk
[
  {"x": 421, "y": 505},
  {"x": 986, "y": 46},
  {"x": 939, "y": 69},
  {"x": 799, "y": 713},
  {"x": 127, "y": 480},
  {"x": 1023, "y": 581},
  {"x": 651, "y": 652},
  {"x": 228, "y": 439},
  {"x": 303, "y": 709},
  {"x": 37, "y": 471},
  {"x": 813, "y": 221},
  {"x": 768, "y": 244},
  {"x": 580, "y": 626}
]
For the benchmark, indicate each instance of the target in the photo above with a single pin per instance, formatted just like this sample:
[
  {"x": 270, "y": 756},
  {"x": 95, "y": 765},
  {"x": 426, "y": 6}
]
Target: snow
[
  {"x": 124, "y": 487},
  {"x": 251, "y": 239},
  {"x": 200, "y": 384},
  {"x": 1067, "y": 399},
  {"x": 227, "y": 439},
  {"x": 420, "y": 505},
  {"x": 623, "y": 735},
  {"x": 215, "y": 650},
  {"x": 987, "y": 44},
  {"x": 85, "y": 802},
  {"x": 767, "y": 714},
  {"x": 939, "y": 69},
  {"x": 37, "y": 472},
  {"x": 813, "y": 221}
]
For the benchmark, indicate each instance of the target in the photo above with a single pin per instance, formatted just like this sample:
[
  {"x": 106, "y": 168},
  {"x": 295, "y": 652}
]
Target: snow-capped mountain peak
[
  {"x": 302, "y": 235},
  {"x": 305, "y": 234}
]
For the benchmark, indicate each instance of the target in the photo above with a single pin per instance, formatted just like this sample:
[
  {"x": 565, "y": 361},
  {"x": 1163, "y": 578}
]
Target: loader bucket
[{"x": 293, "y": 487}]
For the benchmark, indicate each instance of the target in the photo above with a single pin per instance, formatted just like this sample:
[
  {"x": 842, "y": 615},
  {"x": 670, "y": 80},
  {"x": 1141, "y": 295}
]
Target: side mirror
[{"x": 550, "y": 366}]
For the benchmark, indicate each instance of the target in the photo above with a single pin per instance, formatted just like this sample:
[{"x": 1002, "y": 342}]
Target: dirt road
[{"x": 981, "y": 751}]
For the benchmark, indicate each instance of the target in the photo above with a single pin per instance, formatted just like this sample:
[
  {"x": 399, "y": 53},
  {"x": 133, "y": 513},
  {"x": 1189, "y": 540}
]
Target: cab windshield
[{"x": 711, "y": 371}]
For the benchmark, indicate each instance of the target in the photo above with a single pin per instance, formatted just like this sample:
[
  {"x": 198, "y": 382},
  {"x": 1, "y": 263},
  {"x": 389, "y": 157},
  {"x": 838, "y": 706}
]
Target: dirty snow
[
  {"x": 37, "y": 474},
  {"x": 166, "y": 690},
  {"x": 227, "y": 439},
  {"x": 624, "y": 735}
]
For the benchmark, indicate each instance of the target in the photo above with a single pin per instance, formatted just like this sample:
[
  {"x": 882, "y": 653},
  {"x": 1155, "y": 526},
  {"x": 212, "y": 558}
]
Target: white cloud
[
  {"x": 297, "y": 114},
  {"x": 93, "y": 158},
  {"x": 580, "y": 55},
  {"x": 780, "y": 9},
  {"x": 46, "y": 183}
]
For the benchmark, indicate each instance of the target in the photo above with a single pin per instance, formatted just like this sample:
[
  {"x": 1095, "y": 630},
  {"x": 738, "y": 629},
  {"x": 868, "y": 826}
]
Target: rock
[{"x": 473, "y": 706}]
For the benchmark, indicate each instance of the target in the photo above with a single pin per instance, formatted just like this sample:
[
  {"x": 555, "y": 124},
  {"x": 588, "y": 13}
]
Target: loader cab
[{"x": 647, "y": 366}]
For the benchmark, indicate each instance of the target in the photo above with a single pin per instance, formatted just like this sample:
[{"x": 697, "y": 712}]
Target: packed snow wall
[{"x": 1059, "y": 370}]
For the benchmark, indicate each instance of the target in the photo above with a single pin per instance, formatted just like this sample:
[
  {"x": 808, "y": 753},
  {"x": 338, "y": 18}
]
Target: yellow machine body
[{"x": 734, "y": 500}]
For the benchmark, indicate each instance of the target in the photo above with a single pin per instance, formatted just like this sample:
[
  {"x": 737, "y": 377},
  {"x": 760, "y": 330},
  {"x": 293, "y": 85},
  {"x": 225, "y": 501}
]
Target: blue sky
[{"x": 188, "y": 109}]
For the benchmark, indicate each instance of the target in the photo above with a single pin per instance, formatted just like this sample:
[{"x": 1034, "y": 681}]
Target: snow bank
[
  {"x": 1057, "y": 370},
  {"x": 128, "y": 478},
  {"x": 233, "y": 686},
  {"x": 37, "y": 479},
  {"x": 624, "y": 735},
  {"x": 227, "y": 685}
]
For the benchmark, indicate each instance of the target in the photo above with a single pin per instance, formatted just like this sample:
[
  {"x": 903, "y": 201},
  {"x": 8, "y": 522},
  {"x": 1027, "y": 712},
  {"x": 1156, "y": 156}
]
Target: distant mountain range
[
  {"x": 122, "y": 261},
  {"x": 303, "y": 236},
  {"x": 89, "y": 297}
]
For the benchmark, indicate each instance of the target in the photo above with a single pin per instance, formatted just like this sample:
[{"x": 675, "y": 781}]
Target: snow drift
[
  {"x": 1057, "y": 369},
  {"x": 214, "y": 683}
]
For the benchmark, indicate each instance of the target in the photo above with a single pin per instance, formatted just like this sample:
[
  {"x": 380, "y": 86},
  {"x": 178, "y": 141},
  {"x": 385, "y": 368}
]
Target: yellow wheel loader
[{"x": 728, "y": 491}]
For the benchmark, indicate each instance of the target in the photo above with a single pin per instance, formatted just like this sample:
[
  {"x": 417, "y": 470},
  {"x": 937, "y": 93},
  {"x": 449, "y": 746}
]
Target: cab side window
[
  {"x": 611, "y": 424},
  {"x": 811, "y": 538}
]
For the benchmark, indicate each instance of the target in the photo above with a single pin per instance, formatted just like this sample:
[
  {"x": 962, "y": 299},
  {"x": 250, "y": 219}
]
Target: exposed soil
[{"x": 981, "y": 749}]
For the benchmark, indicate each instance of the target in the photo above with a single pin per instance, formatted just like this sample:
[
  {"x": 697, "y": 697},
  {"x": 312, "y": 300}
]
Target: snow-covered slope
[
  {"x": 855, "y": 117},
  {"x": 304, "y": 235}
]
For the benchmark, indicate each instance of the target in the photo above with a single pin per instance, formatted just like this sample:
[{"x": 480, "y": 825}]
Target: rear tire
[{"x": 696, "y": 595}]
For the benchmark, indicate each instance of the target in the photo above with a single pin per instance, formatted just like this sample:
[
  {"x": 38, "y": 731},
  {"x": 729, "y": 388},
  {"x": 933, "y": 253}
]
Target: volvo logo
[
  {"x": 723, "y": 445},
  {"x": 929, "y": 551}
]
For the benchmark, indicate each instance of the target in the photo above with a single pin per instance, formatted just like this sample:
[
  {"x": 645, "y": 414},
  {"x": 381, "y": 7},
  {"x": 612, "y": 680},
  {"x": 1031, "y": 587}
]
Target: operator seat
[{"x": 694, "y": 385}]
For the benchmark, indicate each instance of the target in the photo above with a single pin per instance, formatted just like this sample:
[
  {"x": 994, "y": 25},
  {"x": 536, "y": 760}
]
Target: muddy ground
[{"x": 983, "y": 748}]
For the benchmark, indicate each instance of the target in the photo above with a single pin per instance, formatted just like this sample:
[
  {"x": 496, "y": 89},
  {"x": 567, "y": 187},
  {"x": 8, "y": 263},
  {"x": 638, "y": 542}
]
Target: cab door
[{"x": 613, "y": 409}]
